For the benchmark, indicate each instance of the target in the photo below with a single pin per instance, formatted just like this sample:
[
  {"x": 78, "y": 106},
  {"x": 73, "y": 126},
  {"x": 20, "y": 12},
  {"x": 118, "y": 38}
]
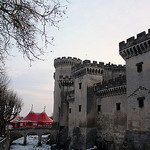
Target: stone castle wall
[
  {"x": 75, "y": 98},
  {"x": 107, "y": 102}
]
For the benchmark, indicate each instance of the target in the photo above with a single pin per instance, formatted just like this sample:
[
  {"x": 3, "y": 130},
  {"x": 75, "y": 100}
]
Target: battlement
[
  {"x": 114, "y": 67},
  {"x": 66, "y": 61},
  {"x": 132, "y": 40},
  {"x": 88, "y": 67},
  {"x": 87, "y": 63},
  {"x": 111, "y": 87},
  {"x": 134, "y": 46}
]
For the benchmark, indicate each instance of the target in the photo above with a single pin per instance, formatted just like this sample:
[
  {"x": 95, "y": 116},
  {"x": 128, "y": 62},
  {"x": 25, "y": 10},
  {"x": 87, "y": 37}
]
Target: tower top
[
  {"x": 87, "y": 67},
  {"x": 135, "y": 46},
  {"x": 133, "y": 41},
  {"x": 66, "y": 61}
]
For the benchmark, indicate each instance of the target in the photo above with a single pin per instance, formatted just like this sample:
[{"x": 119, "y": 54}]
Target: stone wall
[
  {"x": 138, "y": 140},
  {"x": 91, "y": 108},
  {"x": 5, "y": 143},
  {"x": 112, "y": 118},
  {"x": 138, "y": 92}
]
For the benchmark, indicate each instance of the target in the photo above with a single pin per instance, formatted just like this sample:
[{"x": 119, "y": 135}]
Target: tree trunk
[{"x": 2, "y": 128}]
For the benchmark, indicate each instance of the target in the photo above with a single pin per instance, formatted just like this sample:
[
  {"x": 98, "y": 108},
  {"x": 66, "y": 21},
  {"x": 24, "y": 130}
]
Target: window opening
[
  {"x": 141, "y": 101},
  {"x": 70, "y": 110},
  {"x": 118, "y": 106},
  {"x": 80, "y": 85},
  {"x": 79, "y": 108},
  {"x": 139, "y": 67},
  {"x": 99, "y": 108}
]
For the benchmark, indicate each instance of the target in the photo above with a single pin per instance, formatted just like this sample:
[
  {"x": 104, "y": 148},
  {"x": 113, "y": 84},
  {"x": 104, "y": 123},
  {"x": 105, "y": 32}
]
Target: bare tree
[
  {"x": 23, "y": 22},
  {"x": 10, "y": 104}
]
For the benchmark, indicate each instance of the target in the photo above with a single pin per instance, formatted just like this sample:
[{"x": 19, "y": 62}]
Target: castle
[{"x": 105, "y": 104}]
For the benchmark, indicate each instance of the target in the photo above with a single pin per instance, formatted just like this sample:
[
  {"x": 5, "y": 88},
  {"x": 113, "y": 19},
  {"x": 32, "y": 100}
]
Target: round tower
[{"x": 62, "y": 70}]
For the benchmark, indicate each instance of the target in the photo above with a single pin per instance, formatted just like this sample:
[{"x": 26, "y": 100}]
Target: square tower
[{"x": 136, "y": 53}]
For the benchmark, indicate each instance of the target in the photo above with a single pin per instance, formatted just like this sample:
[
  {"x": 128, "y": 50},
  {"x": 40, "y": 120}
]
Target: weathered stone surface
[
  {"x": 53, "y": 138},
  {"x": 90, "y": 95},
  {"x": 78, "y": 141},
  {"x": 62, "y": 136},
  {"x": 138, "y": 140},
  {"x": 91, "y": 137}
]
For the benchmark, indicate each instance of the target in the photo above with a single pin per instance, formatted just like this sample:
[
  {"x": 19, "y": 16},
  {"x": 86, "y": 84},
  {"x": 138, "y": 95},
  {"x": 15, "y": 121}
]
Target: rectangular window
[
  {"x": 141, "y": 101},
  {"x": 118, "y": 106},
  {"x": 80, "y": 85},
  {"x": 70, "y": 110},
  {"x": 99, "y": 108},
  {"x": 79, "y": 108},
  {"x": 139, "y": 66},
  {"x": 34, "y": 124}
]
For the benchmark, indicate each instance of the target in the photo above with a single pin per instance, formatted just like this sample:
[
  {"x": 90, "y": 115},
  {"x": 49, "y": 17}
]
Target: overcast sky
[{"x": 92, "y": 29}]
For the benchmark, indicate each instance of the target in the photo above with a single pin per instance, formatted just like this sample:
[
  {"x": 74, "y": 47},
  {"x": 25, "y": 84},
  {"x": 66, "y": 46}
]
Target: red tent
[
  {"x": 44, "y": 120},
  {"x": 36, "y": 119},
  {"x": 31, "y": 117}
]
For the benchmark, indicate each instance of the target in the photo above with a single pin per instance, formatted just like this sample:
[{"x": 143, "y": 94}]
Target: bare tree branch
[{"x": 23, "y": 22}]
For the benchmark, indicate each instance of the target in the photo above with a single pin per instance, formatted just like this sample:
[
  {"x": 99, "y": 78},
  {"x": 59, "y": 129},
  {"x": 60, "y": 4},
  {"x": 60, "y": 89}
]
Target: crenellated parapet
[
  {"x": 115, "y": 68},
  {"x": 87, "y": 67},
  {"x": 135, "y": 46},
  {"x": 65, "y": 81},
  {"x": 111, "y": 87},
  {"x": 66, "y": 61}
]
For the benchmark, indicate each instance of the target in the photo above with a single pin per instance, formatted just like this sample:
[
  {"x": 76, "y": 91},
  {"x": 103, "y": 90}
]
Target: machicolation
[
  {"x": 87, "y": 67},
  {"x": 65, "y": 81},
  {"x": 134, "y": 46},
  {"x": 111, "y": 87}
]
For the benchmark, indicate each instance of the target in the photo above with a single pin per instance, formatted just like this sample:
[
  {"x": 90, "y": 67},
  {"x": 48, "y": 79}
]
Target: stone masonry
[{"x": 105, "y": 104}]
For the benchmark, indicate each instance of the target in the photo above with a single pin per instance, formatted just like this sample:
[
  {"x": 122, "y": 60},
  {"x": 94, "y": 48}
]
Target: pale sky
[{"x": 92, "y": 29}]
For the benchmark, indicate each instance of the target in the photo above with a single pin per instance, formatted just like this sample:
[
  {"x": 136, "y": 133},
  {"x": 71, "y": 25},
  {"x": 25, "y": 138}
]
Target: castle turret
[
  {"x": 63, "y": 81},
  {"x": 136, "y": 53}
]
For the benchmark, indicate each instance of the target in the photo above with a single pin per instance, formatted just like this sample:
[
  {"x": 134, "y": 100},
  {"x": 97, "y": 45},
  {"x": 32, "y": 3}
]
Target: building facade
[{"x": 105, "y": 104}]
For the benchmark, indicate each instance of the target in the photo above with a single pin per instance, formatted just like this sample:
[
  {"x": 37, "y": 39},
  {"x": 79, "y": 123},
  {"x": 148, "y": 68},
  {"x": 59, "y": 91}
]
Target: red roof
[
  {"x": 31, "y": 117},
  {"x": 38, "y": 117},
  {"x": 42, "y": 117}
]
